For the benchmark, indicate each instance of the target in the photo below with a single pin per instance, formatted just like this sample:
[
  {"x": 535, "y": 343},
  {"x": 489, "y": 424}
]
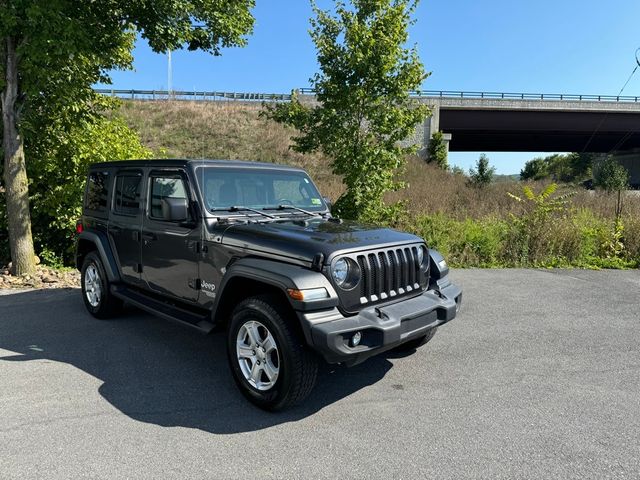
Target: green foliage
[
  {"x": 437, "y": 151},
  {"x": 610, "y": 176},
  {"x": 482, "y": 175},
  {"x": 58, "y": 173},
  {"x": 531, "y": 237},
  {"x": 613, "y": 246},
  {"x": 574, "y": 239},
  {"x": 569, "y": 167},
  {"x": 536, "y": 169},
  {"x": 363, "y": 108}
]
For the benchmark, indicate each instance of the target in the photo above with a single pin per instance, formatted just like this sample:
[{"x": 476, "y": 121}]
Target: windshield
[{"x": 258, "y": 188}]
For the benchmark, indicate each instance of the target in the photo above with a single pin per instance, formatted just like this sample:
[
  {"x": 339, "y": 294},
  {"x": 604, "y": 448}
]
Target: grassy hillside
[
  {"x": 233, "y": 130},
  {"x": 221, "y": 130}
]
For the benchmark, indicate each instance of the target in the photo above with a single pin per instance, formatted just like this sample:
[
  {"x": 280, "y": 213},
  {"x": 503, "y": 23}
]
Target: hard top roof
[{"x": 183, "y": 162}]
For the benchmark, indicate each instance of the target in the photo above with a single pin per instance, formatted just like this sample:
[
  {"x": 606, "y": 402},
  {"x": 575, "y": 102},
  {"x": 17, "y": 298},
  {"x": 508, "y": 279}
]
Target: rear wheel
[
  {"x": 95, "y": 289},
  {"x": 269, "y": 360},
  {"x": 416, "y": 342}
]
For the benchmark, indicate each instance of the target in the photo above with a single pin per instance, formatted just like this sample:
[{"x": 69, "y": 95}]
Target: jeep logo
[{"x": 207, "y": 286}]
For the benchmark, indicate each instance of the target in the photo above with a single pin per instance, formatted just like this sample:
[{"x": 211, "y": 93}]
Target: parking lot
[{"x": 539, "y": 377}]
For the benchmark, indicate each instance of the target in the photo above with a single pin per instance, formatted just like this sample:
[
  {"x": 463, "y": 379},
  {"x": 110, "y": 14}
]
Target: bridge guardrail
[
  {"x": 136, "y": 94},
  {"x": 512, "y": 95},
  {"x": 284, "y": 97}
]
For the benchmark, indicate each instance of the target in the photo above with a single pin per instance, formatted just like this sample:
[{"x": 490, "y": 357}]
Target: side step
[{"x": 199, "y": 321}]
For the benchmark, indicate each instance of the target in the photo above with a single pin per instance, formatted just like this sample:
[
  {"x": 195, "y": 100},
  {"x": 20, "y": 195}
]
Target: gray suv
[{"x": 251, "y": 248}]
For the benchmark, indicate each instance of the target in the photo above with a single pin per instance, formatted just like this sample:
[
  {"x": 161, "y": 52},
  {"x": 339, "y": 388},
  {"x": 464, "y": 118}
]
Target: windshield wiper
[
  {"x": 240, "y": 208},
  {"x": 298, "y": 209}
]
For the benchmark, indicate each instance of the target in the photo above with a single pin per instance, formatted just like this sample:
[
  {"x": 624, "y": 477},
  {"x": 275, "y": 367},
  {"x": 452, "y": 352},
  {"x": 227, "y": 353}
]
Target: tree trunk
[{"x": 15, "y": 171}]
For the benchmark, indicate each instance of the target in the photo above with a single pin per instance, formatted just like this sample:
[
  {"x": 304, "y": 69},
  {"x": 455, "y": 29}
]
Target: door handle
[
  {"x": 115, "y": 229},
  {"x": 149, "y": 236}
]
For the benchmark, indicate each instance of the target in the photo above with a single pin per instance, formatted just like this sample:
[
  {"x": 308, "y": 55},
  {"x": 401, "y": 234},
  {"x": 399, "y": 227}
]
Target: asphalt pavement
[{"x": 538, "y": 378}]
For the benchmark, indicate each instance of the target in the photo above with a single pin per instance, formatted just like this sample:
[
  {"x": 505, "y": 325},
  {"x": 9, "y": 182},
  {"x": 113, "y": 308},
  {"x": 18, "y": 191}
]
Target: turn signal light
[
  {"x": 79, "y": 228},
  {"x": 308, "y": 294}
]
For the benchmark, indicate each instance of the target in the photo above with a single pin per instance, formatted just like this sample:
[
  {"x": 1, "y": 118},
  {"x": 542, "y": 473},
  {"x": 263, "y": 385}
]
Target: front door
[
  {"x": 170, "y": 243},
  {"x": 125, "y": 223}
]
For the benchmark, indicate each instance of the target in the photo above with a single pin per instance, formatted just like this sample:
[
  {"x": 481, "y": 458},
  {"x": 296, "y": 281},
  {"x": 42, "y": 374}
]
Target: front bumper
[{"x": 382, "y": 327}]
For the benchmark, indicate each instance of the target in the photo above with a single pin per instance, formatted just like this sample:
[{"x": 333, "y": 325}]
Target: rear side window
[
  {"x": 127, "y": 194},
  {"x": 97, "y": 191}
]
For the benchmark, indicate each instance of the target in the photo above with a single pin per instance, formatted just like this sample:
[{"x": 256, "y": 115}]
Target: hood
[{"x": 304, "y": 239}]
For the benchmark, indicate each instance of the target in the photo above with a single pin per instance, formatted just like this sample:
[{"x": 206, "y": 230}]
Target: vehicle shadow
[{"x": 153, "y": 370}]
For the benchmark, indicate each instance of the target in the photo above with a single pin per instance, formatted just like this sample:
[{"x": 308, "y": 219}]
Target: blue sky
[{"x": 562, "y": 46}]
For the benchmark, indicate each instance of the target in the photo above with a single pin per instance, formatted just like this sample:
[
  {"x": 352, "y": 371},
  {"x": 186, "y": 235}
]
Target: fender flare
[
  {"x": 282, "y": 276},
  {"x": 101, "y": 242}
]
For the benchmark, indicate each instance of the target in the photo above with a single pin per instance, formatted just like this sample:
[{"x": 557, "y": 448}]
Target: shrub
[
  {"x": 59, "y": 176},
  {"x": 437, "y": 151}
]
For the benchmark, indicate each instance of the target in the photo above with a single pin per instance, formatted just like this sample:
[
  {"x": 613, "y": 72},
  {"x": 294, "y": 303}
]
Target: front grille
[{"x": 388, "y": 273}]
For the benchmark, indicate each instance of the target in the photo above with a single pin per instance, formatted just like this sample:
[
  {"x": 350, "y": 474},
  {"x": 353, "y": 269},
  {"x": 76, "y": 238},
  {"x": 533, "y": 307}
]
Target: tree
[
  {"x": 611, "y": 177},
  {"x": 535, "y": 169},
  {"x": 568, "y": 167},
  {"x": 437, "y": 151},
  {"x": 482, "y": 175},
  {"x": 363, "y": 108},
  {"x": 53, "y": 51}
]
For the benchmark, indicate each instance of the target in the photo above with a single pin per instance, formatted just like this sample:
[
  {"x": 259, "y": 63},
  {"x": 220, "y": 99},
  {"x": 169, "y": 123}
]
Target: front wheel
[{"x": 270, "y": 363}]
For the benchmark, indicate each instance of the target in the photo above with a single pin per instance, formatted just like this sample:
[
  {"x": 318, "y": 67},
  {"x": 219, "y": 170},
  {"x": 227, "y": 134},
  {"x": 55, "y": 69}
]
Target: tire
[
  {"x": 95, "y": 289},
  {"x": 415, "y": 343},
  {"x": 269, "y": 359}
]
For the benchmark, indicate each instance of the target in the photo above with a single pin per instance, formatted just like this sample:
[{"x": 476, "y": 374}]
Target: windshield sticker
[{"x": 316, "y": 201}]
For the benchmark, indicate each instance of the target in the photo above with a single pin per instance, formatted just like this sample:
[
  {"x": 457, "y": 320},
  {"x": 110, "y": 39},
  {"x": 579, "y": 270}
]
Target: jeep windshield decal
[{"x": 235, "y": 189}]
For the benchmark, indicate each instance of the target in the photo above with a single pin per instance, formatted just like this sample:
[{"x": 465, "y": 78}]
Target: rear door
[
  {"x": 125, "y": 222},
  {"x": 169, "y": 248}
]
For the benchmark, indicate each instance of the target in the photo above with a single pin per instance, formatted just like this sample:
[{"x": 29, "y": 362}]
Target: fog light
[{"x": 355, "y": 340}]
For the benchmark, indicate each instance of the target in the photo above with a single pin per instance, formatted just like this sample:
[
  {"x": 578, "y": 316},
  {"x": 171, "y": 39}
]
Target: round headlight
[
  {"x": 346, "y": 273},
  {"x": 341, "y": 271},
  {"x": 423, "y": 257}
]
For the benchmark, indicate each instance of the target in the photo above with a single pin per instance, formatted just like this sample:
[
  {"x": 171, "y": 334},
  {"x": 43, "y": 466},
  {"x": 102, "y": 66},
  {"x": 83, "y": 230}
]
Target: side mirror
[
  {"x": 328, "y": 201},
  {"x": 175, "y": 209}
]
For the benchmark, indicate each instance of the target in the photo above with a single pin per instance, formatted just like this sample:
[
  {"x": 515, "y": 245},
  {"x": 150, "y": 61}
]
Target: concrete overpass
[
  {"x": 493, "y": 121},
  {"x": 510, "y": 122}
]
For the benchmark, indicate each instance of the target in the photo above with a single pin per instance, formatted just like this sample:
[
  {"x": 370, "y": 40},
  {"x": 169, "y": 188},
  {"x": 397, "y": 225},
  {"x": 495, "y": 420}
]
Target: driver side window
[{"x": 166, "y": 191}]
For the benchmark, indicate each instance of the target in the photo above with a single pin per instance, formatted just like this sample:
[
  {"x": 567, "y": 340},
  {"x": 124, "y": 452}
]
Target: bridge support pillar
[
  {"x": 425, "y": 131},
  {"x": 430, "y": 126}
]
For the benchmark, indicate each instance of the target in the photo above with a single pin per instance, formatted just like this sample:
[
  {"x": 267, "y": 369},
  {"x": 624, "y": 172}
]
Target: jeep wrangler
[{"x": 251, "y": 248}]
